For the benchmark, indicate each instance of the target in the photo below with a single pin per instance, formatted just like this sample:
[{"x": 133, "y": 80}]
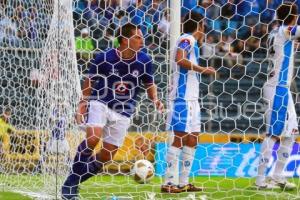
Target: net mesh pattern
[{"x": 46, "y": 47}]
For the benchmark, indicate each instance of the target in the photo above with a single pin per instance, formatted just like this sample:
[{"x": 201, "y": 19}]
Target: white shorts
[
  {"x": 184, "y": 116},
  {"x": 114, "y": 124},
  {"x": 281, "y": 117}
]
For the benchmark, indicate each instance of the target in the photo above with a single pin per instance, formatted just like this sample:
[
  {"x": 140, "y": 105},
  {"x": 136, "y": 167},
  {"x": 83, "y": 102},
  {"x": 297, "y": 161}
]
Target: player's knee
[
  {"x": 192, "y": 141},
  {"x": 94, "y": 131},
  {"x": 177, "y": 142},
  {"x": 92, "y": 141},
  {"x": 275, "y": 137},
  {"x": 107, "y": 155},
  {"x": 106, "y": 158},
  {"x": 191, "y": 144},
  {"x": 108, "y": 151}
]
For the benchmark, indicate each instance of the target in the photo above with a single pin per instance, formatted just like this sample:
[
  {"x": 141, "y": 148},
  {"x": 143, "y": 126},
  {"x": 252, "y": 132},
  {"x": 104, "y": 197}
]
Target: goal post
[
  {"x": 52, "y": 87},
  {"x": 175, "y": 17},
  {"x": 58, "y": 95}
]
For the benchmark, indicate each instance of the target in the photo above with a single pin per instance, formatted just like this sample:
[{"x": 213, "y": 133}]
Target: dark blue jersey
[{"x": 116, "y": 82}]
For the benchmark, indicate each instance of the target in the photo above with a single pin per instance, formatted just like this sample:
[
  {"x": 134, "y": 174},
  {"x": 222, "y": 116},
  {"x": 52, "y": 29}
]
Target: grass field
[
  {"x": 12, "y": 196},
  {"x": 123, "y": 188}
]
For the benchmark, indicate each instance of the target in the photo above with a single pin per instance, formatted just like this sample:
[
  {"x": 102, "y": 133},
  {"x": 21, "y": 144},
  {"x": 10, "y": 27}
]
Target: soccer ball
[{"x": 143, "y": 171}]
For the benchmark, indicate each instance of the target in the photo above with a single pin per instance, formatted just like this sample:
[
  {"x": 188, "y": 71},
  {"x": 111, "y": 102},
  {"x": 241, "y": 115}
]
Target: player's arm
[
  {"x": 182, "y": 60},
  {"x": 292, "y": 32},
  {"x": 87, "y": 89},
  {"x": 82, "y": 106},
  {"x": 150, "y": 86},
  {"x": 152, "y": 94}
]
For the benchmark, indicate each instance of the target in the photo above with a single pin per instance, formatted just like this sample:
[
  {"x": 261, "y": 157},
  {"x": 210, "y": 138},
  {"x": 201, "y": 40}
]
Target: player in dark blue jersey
[{"x": 109, "y": 99}]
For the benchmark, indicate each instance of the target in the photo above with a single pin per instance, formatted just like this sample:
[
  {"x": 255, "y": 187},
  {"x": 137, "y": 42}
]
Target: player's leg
[
  {"x": 283, "y": 154},
  {"x": 113, "y": 134},
  {"x": 266, "y": 150},
  {"x": 172, "y": 171},
  {"x": 96, "y": 120},
  {"x": 79, "y": 170},
  {"x": 176, "y": 126},
  {"x": 275, "y": 120},
  {"x": 97, "y": 162},
  {"x": 113, "y": 137},
  {"x": 188, "y": 155},
  {"x": 189, "y": 148},
  {"x": 286, "y": 145}
]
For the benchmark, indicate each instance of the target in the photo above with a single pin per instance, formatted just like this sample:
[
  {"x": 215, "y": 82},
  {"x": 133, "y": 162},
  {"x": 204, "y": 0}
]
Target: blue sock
[
  {"x": 80, "y": 165},
  {"x": 84, "y": 166},
  {"x": 83, "y": 152},
  {"x": 94, "y": 166}
]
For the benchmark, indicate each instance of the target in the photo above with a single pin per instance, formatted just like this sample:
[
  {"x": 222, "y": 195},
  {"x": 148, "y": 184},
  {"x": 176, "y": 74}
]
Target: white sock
[
  {"x": 283, "y": 154},
  {"x": 172, "y": 171},
  {"x": 188, "y": 154},
  {"x": 264, "y": 158}
]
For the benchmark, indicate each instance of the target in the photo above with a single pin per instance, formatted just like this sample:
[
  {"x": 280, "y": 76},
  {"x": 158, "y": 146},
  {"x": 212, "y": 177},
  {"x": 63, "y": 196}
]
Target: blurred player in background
[
  {"x": 184, "y": 111},
  {"x": 58, "y": 142},
  {"x": 281, "y": 116},
  {"x": 5, "y": 126},
  {"x": 110, "y": 94},
  {"x": 5, "y": 129},
  {"x": 5, "y": 123}
]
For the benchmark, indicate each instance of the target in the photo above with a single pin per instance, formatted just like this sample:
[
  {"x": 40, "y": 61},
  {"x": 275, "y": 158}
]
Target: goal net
[{"x": 46, "y": 49}]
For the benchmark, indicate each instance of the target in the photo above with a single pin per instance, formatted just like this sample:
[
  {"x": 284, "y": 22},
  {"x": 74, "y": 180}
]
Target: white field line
[
  {"x": 280, "y": 193},
  {"x": 34, "y": 195}
]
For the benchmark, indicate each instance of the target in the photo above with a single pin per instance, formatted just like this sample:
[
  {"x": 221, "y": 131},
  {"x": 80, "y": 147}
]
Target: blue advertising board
[{"x": 230, "y": 160}]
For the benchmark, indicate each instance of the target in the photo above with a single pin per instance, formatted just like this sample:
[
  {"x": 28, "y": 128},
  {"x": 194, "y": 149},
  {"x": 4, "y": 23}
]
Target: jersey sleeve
[
  {"x": 147, "y": 77},
  {"x": 292, "y": 32},
  {"x": 93, "y": 66},
  {"x": 185, "y": 44}
]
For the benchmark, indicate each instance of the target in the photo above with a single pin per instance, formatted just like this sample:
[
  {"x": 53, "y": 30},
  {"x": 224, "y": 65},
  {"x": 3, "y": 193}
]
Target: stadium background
[
  {"x": 232, "y": 105},
  {"x": 239, "y": 32}
]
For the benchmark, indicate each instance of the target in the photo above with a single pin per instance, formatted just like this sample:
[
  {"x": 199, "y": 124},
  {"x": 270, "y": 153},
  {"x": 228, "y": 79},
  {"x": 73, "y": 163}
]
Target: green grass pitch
[
  {"x": 12, "y": 196},
  {"x": 124, "y": 188}
]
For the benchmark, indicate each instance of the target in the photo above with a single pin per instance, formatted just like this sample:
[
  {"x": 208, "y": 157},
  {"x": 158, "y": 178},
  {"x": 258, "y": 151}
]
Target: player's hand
[
  {"x": 159, "y": 106},
  {"x": 81, "y": 112},
  {"x": 209, "y": 71}
]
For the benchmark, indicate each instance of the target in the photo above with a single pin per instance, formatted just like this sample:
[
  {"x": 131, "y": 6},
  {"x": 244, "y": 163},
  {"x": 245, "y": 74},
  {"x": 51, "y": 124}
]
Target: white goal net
[{"x": 46, "y": 52}]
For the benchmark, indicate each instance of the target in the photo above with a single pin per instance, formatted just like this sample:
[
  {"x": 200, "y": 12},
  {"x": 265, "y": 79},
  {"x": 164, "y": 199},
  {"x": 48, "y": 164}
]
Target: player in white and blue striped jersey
[
  {"x": 183, "y": 121},
  {"x": 281, "y": 119}
]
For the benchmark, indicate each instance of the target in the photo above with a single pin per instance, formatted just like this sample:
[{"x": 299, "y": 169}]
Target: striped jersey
[
  {"x": 281, "y": 55},
  {"x": 184, "y": 84}
]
